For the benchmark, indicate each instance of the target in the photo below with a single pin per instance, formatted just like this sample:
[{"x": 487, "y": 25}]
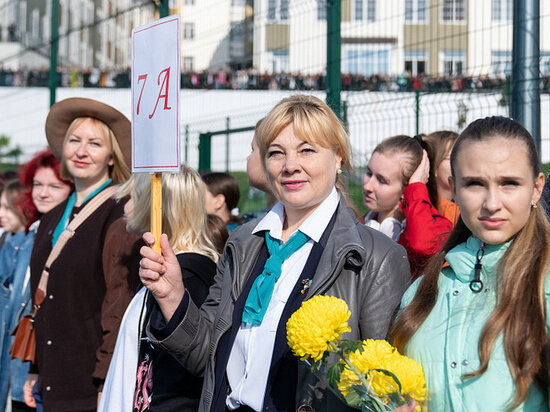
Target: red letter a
[{"x": 164, "y": 87}]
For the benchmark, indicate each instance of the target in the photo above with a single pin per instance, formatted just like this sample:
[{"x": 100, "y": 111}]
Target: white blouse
[{"x": 250, "y": 358}]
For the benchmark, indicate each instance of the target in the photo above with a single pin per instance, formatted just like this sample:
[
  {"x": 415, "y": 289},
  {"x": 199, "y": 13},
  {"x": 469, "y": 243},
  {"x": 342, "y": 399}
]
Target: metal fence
[{"x": 408, "y": 66}]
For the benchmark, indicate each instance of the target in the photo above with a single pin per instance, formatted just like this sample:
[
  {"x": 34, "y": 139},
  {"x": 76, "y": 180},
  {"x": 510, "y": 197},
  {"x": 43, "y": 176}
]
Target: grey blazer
[{"x": 359, "y": 264}]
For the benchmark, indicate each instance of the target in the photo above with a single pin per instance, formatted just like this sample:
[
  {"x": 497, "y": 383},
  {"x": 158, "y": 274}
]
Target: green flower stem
[{"x": 351, "y": 366}]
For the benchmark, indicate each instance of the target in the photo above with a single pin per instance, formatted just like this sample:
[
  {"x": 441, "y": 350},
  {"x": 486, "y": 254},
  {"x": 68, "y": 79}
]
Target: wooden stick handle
[{"x": 156, "y": 209}]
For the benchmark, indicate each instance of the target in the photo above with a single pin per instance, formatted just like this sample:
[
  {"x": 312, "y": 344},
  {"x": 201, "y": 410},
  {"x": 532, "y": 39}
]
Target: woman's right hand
[
  {"x": 27, "y": 390},
  {"x": 422, "y": 172},
  {"x": 161, "y": 274}
]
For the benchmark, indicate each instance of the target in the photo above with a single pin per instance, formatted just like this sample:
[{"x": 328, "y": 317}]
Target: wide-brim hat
[{"x": 63, "y": 113}]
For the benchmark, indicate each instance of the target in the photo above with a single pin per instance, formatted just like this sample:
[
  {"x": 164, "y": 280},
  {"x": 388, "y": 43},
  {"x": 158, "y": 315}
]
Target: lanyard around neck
[{"x": 64, "y": 222}]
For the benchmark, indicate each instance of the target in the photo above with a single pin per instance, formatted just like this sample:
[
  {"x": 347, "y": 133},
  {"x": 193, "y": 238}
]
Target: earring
[
  {"x": 339, "y": 171},
  {"x": 534, "y": 205}
]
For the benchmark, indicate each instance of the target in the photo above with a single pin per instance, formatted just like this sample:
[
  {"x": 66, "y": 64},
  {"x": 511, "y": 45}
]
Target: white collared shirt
[{"x": 250, "y": 358}]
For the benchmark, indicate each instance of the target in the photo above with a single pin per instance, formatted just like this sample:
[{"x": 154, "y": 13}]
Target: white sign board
[{"x": 155, "y": 96}]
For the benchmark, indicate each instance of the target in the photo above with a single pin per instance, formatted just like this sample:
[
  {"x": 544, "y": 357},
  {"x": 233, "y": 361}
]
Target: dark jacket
[
  {"x": 360, "y": 265},
  {"x": 90, "y": 284},
  {"x": 173, "y": 387}
]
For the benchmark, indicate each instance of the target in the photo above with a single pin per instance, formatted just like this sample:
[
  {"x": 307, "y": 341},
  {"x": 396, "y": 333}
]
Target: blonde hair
[
  {"x": 313, "y": 121},
  {"x": 183, "y": 216},
  {"x": 119, "y": 172}
]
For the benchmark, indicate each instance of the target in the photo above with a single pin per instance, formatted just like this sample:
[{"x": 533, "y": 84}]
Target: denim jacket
[{"x": 15, "y": 301}]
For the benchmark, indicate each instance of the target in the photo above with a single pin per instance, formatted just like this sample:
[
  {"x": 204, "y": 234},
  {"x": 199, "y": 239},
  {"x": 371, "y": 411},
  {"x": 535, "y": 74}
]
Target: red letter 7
[{"x": 140, "y": 78}]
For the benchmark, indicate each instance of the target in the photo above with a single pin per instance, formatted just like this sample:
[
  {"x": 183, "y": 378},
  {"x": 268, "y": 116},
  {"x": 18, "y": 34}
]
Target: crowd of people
[
  {"x": 450, "y": 264},
  {"x": 252, "y": 79}
]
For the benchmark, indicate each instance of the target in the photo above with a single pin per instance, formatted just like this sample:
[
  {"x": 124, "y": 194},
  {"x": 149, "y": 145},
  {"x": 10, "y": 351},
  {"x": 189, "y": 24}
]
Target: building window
[
  {"x": 236, "y": 40},
  {"x": 321, "y": 9},
  {"x": 188, "y": 31},
  {"x": 23, "y": 21},
  {"x": 501, "y": 62},
  {"x": 187, "y": 64},
  {"x": 366, "y": 59},
  {"x": 35, "y": 23},
  {"x": 416, "y": 61},
  {"x": 453, "y": 11},
  {"x": 502, "y": 10},
  {"x": 452, "y": 62},
  {"x": 277, "y": 11},
  {"x": 365, "y": 10},
  {"x": 279, "y": 61},
  {"x": 416, "y": 12}
]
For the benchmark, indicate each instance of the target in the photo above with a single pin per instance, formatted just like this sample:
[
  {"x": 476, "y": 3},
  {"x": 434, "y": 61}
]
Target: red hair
[{"x": 44, "y": 158}]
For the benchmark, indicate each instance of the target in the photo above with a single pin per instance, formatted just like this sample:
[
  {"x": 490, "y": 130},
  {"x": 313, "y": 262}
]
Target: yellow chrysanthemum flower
[
  {"x": 410, "y": 375},
  {"x": 381, "y": 355},
  {"x": 319, "y": 321}
]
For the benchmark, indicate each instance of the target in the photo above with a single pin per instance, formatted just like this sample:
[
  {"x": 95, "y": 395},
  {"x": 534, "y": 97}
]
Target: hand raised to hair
[
  {"x": 422, "y": 172},
  {"x": 161, "y": 274}
]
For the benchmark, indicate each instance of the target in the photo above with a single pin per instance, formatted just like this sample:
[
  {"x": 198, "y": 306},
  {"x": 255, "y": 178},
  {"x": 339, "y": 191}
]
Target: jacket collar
[
  {"x": 345, "y": 238},
  {"x": 344, "y": 245},
  {"x": 462, "y": 258}
]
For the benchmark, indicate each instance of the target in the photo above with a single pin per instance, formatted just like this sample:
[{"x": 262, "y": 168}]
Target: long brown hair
[
  {"x": 437, "y": 147},
  {"x": 520, "y": 310},
  {"x": 221, "y": 183}
]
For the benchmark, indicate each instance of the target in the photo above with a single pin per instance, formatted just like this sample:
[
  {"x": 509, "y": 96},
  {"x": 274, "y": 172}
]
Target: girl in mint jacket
[{"x": 476, "y": 320}]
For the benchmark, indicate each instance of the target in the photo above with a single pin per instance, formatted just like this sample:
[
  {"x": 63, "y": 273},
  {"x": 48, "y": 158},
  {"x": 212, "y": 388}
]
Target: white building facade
[
  {"x": 449, "y": 37},
  {"x": 214, "y": 33},
  {"x": 92, "y": 33}
]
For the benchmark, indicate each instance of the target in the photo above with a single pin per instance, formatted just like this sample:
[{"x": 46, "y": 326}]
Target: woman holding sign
[
  {"x": 92, "y": 280},
  {"x": 142, "y": 376},
  {"x": 309, "y": 243}
]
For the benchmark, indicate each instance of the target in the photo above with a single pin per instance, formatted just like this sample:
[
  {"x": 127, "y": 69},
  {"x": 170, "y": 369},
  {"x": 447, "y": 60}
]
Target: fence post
[
  {"x": 227, "y": 127},
  {"x": 417, "y": 109},
  {"x": 345, "y": 113},
  {"x": 53, "y": 50},
  {"x": 334, "y": 58},
  {"x": 205, "y": 150},
  {"x": 164, "y": 8},
  {"x": 186, "y": 143},
  {"x": 525, "y": 67}
]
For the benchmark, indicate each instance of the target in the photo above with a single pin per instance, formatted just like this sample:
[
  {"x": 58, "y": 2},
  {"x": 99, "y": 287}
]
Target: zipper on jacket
[{"x": 476, "y": 284}]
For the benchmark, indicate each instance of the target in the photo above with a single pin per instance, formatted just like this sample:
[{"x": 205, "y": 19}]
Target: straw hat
[{"x": 63, "y": 113}]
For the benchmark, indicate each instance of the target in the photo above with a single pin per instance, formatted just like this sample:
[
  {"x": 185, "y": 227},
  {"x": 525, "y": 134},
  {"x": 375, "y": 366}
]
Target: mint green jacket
[{"x": 446, "y": 345}]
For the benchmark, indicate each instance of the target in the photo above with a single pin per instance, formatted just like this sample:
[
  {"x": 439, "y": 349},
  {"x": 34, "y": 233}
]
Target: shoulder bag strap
[{"x": 68, "y": 233}]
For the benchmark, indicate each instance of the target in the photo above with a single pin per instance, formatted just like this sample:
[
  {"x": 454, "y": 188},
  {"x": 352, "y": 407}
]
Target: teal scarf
[
  {"x": 64, "y": 222},
  {"x": 262, "y": 289}
]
